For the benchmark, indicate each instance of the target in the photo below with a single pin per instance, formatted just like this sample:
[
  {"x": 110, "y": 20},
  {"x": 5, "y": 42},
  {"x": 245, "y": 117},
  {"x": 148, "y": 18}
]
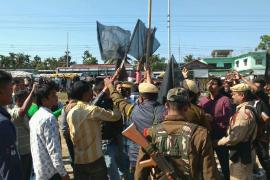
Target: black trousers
[
  {"x": 26, "y": 162},
  {"x": 223, "y": 158},
  {"x": 96, "y": 170},
  {"x": 56, "y": 177},
  {"x": 262, "y": 151}
]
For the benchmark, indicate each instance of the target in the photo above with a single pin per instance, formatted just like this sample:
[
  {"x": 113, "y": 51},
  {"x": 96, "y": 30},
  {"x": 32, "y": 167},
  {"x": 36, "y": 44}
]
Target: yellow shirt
[{"x": 84, "y": 122}]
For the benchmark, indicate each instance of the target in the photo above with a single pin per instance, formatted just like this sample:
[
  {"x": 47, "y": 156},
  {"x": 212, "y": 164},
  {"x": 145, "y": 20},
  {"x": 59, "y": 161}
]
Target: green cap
[{"x": 178, "y": 95}]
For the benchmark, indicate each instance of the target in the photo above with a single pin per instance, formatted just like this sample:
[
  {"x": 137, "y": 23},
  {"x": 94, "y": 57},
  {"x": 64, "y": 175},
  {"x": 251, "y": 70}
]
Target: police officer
[
  {"x": 185, "y": 145},
  {"x": 241, "y": 134},
  {"x": 194, "y": 113},
  {"x": 142, "y": 115}
]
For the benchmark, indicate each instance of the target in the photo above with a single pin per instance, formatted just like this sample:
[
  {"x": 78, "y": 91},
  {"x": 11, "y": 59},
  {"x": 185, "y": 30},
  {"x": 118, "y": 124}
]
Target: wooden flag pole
[{"x": 149, "y": 31}]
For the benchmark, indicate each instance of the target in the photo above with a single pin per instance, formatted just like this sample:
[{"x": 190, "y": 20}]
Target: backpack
[{"x": 175, "y": 146}]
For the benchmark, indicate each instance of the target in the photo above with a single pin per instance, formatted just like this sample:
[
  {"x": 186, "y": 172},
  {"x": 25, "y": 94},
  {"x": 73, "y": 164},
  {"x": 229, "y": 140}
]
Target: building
[
  {"x": 93, "y": 69},
  {"x": 252, "y": 63},
  {"x": 198, "y": 71},
  {"x": 222, "y": 60}
]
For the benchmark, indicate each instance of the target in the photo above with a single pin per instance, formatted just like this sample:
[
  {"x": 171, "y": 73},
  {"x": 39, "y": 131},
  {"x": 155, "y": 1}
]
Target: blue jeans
[{"x": 116, "y": 160}]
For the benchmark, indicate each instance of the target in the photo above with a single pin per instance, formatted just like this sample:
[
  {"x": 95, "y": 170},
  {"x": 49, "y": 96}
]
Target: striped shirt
[
  {"x": 84, "y": 121},
  {"x": 22, "y": 129}
]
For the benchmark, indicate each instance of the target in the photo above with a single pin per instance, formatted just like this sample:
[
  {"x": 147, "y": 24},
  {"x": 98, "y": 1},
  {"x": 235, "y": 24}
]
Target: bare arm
[{"x": 27, "y": 103}]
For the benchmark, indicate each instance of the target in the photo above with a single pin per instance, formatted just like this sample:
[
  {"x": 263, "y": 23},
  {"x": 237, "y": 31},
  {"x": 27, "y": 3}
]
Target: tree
[
  {"x": 51, "y": 63},
  {"x": 88, "y": 58},
  {"x": 4, "y": 61},
  {"x": 22, "y": 60},
  {"x": 37, "y": 64},
  {"x": 157, "y": 63},
  {"x": 264, "y": 44},
  {"x": 12, "y": 60},
  {"x": 188, "y": 58},
  {"x": 63, "y": 60}
]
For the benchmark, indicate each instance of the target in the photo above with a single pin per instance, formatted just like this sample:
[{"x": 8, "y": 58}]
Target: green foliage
[
  {"x": 23, "y": 61},
  {"x": 265, "y": 43},
  {"x": 188, "y": 58},
  {"x": 157, "y": 63},
  {"x": 88, "y": 58}
]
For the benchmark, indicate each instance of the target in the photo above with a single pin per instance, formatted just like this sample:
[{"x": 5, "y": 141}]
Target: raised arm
[{"x": 118, "y": 100}]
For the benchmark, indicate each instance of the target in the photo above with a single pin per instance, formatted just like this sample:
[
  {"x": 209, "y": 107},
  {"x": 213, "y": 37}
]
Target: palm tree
[{"x": 188, "y": 58}]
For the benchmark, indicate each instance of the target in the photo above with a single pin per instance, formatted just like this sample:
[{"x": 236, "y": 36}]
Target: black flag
[
  {"x": 171, "y": 79},
  {"x": 138, "y": 41},
  {"x": 113, "y": 41}
]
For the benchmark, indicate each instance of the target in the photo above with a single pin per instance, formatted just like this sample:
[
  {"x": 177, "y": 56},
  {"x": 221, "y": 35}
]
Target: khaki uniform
[
  {"x": 201, "y": 156},
  {"x": 196, "y": 115},
  {"x": 242, "y": 128}
]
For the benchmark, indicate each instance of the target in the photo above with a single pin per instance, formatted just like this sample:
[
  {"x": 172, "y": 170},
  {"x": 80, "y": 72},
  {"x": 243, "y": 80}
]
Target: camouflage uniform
[
  {"x": 200, "y": 159},
  {"x": 242, "y": 130}
]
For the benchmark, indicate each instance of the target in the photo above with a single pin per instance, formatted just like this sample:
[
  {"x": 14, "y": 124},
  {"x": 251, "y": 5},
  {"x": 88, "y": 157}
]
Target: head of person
[
  {"x": 226, "y": 86},
  {"x": 148, "y": 92},
  {"x": 215, "y": 85},
  {"x": 5, "y": 88},
  {"x": 260, "y": 83},
  {"x": 241, "y": 93},
  {"x": 126, "y": 89},
  {"x": 118, "y": 86},
  {"x": 192, "y": 89},
  {"x": 46, "y": 95},
  {"x": 20, "y": 96},
  {"x": 17, "y": 84},
  {"x": 82, "y": 91},
  {"x": 98, "y": 88},
  {"x": 177, "y": 101}
]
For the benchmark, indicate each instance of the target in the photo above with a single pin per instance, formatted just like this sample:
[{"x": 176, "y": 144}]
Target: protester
[
  {"x": 241, "y": 134},
  {"x": 219, "y": 106},
  {"x": 45, "y": 138},
  {"x": 19, "y": 118},
  {"x": 193, "y": 160},
  {"x": 112, "y": 140},
  {"x": 63, "y": 125},
  {"x": 10, "y": 167},
  {"x": 84, "y": 121}
]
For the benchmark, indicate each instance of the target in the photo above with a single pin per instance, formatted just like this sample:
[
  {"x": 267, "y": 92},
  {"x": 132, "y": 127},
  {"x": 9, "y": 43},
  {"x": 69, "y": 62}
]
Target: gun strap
[{"x": 149, "y": 149}]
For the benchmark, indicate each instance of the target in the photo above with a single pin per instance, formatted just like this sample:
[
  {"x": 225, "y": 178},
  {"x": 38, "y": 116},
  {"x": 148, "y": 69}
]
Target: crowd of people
[{"x": 231, "y": 121}]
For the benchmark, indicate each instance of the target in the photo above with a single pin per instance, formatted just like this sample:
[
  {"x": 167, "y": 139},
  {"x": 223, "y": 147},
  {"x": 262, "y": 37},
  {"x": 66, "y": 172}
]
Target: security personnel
[
  {"x": 142, "y": 114},
  {"x": 241, "y": 134},
  {"x": 194, "y": 113},
  {"x": 185, "y": 145}
]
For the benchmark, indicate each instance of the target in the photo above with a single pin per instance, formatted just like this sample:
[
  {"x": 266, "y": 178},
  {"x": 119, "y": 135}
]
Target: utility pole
[
  {"x": 169, "y": 29},
  {"x": 149, "y": 30},
  {"x": 67, "y": 52}
]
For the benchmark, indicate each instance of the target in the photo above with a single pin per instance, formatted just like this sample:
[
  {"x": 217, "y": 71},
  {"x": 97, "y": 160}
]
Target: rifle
[{"x": 156, "y": 159}]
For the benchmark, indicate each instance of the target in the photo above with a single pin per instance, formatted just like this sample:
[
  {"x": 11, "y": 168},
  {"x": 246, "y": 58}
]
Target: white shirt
[{"x": 45, "y": 145}]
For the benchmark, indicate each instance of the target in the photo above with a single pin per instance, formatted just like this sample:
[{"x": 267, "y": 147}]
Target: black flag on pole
[
  {"x": 139, "y": 41},
  {"x": 171, "y": 79},
  {"x": 113, "y": 41}
]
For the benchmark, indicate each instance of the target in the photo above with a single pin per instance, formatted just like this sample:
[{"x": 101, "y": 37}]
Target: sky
[{"x": 38, "y": 27}]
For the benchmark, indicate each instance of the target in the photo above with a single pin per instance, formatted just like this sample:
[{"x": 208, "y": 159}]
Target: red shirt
[{"x": 221, "y": 110}]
